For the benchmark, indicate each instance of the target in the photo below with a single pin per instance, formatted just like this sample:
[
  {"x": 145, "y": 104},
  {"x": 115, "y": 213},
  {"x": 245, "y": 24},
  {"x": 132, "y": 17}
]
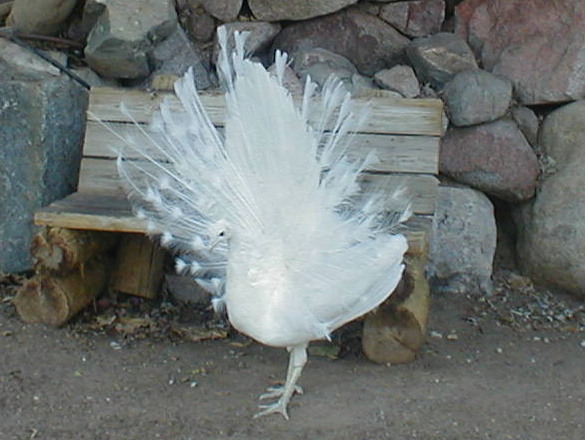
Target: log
[
  {"x": 139, "y": 266},
  {"x": 395, "y": 331},
  {"x": 63, "y": 250},
  {"x": 52, "y": 298}
]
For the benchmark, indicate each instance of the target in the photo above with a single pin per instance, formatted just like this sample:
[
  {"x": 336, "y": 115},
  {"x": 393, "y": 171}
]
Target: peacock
[{"x": 268, "y": 214}]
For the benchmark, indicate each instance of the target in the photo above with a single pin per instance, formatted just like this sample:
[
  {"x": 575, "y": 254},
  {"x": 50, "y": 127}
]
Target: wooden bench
[{"x": 90, "y": 240}]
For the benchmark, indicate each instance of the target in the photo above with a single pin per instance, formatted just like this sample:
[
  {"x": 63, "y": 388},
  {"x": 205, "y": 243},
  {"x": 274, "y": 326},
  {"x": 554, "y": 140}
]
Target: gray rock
[
  {"x": 476, "y": 96},
  {"x": 401, "y": 79},
  {"x": 437, "y": 59},
  {"x": 320, "y": 64},
  {"x": 277, "y": 10},
  {"x": 551, "y": 231},
  {"x": 368, "y": 42},
  {"x": 46, "y": 17},
  {"x": 364, "y": 87},
  {"x": 494, "y": 158},
  {"x": 93, "y": 79},
  {"x": 176, "y": 54},
  {"x": 418, "y": 18},
  {"x": 185, "y": 290},
  {"x": 260, "y": 34},
  {"x": 528, "y": 123},
  {"x": 562, "y": 135},
  {"x": 197, "y": 21},
  {"x": 42, "y": 124},
  {"x": 290, "y": 80},
  {"x": 224, "y": 10},
  {"x": 17, "y": 63},
  {"x": 539, "y": 45},
  {"x": 463, "y": 242},
  {"x": 120, "y": 42}
]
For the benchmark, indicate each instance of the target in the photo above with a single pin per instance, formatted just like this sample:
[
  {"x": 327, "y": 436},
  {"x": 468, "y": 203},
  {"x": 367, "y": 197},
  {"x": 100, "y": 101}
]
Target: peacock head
[{"x": 219, "y": 232}]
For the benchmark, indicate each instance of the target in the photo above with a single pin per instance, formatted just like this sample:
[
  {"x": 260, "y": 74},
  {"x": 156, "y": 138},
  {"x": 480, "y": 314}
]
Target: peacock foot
[
  {"x": 278, "y": 407},
  {"x": 277, "y": 391}
]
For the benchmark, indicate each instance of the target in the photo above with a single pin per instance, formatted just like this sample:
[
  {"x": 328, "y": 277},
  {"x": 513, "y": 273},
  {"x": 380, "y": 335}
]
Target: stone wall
[{"x": 511, "y": 74}]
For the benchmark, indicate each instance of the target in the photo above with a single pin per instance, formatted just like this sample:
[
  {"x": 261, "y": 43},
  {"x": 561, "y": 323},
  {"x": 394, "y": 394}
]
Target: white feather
[{"x": 277, "y": 201}]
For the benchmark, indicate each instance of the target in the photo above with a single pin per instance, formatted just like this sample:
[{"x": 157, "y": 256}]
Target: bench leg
[
  {"x": 139, "y": 266},
  {"x": 71, "y": 269},
  {"x": 395, "y": 331}
]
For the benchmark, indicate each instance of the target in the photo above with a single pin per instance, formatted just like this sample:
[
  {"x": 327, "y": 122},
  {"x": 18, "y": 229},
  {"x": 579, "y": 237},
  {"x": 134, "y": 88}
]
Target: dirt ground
[{"x": 509, "y": 367}]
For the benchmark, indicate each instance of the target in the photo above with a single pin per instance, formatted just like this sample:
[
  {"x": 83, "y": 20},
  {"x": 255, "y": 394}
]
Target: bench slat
[
  {"x": 110, "y": 211},
  {"x": 397, "y": 153},
  {"x": 101, "y": 175},
  {"x": 386, "y": 116}
]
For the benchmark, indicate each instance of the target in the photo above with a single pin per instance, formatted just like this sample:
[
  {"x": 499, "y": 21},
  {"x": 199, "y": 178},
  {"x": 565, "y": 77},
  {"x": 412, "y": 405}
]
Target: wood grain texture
[
  {"x": 111, "y": 211},
  {"x": 404, "y": 133},
  {"x": 386, "y": 115},
  {"x": 396, "y": 153},
  {"x": 101, "y": 175}
]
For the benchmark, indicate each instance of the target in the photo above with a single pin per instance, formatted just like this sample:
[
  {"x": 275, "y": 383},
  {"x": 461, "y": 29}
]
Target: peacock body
[{"x": 268, "y": 215}]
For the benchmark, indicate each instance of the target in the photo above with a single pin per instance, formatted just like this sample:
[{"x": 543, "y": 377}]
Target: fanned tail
[{"x": 196, "y": 186}]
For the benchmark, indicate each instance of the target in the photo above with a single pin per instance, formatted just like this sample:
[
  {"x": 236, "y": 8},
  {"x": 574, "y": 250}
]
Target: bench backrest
[{"x": 404, "y": 132}]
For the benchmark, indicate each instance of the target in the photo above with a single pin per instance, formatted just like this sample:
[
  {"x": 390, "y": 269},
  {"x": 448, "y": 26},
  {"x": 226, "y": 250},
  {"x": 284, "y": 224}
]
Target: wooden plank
[
  {"x": 99, "y": 211},
  {"x": 139, "y": 266},
  {"x": 110, "y": 211},
  {"x": 101, "y": 175},
  {"x": 386, "y": 115},
  {"x": 396, "y": 153}
]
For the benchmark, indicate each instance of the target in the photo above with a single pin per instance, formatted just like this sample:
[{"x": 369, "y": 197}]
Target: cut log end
[
  {"x": 64, "y": 250},
  {"x": 52, "y": 299}
]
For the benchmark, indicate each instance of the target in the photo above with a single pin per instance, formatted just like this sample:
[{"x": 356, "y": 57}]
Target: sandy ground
[{"x": 478, "y": 377}]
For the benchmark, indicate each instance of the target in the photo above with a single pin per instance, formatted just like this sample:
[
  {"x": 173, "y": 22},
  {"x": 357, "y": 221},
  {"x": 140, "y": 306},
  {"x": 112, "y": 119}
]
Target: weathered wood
[
  {"x": 139, "y": 266},
  {"x": 404, "y": 133},
  {"x": 64, "y": 250},
  {"x": 101, "y": 175},
  {"x": 110, "y": 211},
  {"x": 53, "y": 298},
  {"x": 395, "y": 332},
  {"x": 396, "y": 153},
  {"x": 385, "y": 115}
]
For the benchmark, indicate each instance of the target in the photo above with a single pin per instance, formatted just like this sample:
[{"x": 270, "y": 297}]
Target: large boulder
[
  {"x": 463, "y": 242},
  {"x": 417, "y": 18},
  {"x": 476, "y": 96},
  {"x": 43, "y": 120},
  {"x": 551, "y": 241},
  {"x": 121, "y": 41},
  {"x": 400, "y": 79},
  {"x": 173, "y": 56},
  {"x": 538, "y": 44},
  {"x": 45, "y": 17},
  {"x": 224, "y": 10},
  {"x": 260, "y": 35},
  {"x": 438, "y": 58},
  {"x": 319, "y": 64},
  {"x": 368, "y": 42},
  {"x": 495, "y": 158},
  {"x": 277, "y": 10}
]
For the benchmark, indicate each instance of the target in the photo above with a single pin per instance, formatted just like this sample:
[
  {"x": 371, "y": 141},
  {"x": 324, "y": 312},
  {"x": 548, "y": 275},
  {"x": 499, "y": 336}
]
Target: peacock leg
[
  {"x": 278, "y": 390},
  {"x": 297, "y": 360}
]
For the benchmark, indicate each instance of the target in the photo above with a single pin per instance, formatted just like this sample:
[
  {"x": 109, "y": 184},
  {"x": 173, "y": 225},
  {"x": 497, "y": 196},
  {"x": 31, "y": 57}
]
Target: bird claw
[
  {"x": 277, "y": 391},
  {"x": 278, "y": 407}
]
